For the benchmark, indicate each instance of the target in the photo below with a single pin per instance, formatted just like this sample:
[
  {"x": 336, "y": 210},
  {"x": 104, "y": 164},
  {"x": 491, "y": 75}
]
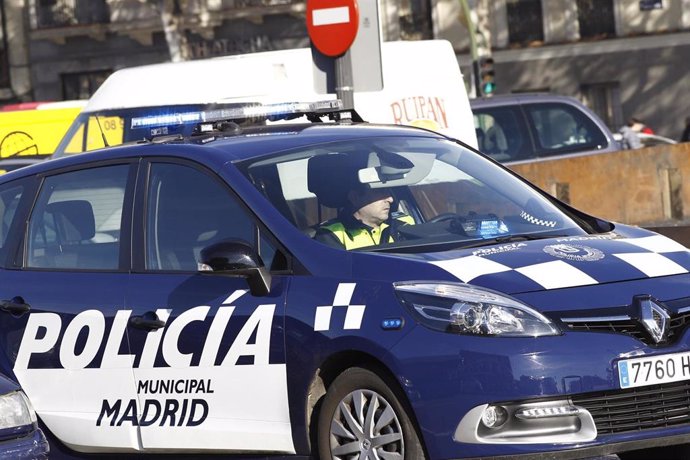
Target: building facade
[{"x": 623, "y": 58}]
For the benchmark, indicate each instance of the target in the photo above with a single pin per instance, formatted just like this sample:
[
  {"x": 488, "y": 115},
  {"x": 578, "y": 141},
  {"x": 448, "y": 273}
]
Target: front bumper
[
  {"x": 595, "y": 451},
  {"x": 449, "y": 375},
  {"x": 34, "y": 446}
]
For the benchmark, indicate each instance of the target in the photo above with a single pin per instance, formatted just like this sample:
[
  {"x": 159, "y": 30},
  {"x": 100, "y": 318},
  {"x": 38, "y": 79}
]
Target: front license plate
[{"x": 651, "y": 370}]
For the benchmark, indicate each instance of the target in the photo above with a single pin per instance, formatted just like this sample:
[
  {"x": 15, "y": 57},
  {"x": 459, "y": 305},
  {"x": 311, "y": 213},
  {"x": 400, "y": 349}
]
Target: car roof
[
  {"x": 218, "y": 148},
  {"x": 521, "y": 98},
  {"x": 29, "y": 160}
]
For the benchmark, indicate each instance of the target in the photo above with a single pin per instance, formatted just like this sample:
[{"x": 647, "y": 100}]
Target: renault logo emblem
[{"x": 653, "y": 317}]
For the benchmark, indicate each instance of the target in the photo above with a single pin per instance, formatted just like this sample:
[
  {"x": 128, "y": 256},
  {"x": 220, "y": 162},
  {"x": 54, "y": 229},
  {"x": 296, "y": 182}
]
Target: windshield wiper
[
  {"x": 414, "y": 246},
  {"x": 509, "y": 239}
]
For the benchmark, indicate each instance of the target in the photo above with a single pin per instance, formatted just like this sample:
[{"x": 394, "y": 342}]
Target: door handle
[
  {"x": 149, "y": 321},
  {"x": 16, "y": 306}
]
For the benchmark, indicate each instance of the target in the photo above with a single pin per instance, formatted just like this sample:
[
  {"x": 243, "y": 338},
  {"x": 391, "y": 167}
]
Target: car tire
[{"x": 360, "y": 413}]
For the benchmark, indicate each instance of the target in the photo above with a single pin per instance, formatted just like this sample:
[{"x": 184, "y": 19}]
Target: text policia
[{"x": 165, "y": 393}]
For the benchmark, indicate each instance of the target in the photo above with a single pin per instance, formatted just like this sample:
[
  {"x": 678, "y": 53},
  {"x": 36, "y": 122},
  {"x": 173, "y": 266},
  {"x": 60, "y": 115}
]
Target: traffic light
[{"x": 487, "y": 84}]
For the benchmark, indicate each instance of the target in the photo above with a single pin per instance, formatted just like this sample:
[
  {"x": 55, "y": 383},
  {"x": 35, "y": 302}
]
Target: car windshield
[
  {"x": 107, "y": 128},
  {"x": 441, "y": 193}
]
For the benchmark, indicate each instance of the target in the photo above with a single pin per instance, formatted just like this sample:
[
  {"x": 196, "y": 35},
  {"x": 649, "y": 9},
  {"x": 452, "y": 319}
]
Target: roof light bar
[
  {"x": 168, "y": 119},
  {"x": 251, "y": 111},
  {"x": 280, "y": 111}
]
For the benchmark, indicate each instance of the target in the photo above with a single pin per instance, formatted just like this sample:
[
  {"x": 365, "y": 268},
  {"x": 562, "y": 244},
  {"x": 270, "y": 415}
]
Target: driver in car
[{"x": 364, "y": 221}]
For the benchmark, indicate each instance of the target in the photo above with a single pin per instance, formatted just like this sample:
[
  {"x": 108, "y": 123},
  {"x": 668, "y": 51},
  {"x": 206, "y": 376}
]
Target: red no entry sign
[{"x": 332, "y": 25}]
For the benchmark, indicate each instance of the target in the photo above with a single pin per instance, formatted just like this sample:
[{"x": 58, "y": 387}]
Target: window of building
[
  {"x": 62, "y": 13},
  {"x": 596, "y": 18},
  {"x": 4, "y": 61},
  {"x": 415, "y": 19},
  {"x": 82, "y": 85},
  {"x": 525, "y": 21},
  {"x": 605, "y": 100}
]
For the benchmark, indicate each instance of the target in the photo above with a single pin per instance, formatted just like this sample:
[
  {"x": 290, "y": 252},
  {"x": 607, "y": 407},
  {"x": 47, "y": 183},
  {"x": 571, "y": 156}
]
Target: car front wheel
[{"x": 362, "y": 418}]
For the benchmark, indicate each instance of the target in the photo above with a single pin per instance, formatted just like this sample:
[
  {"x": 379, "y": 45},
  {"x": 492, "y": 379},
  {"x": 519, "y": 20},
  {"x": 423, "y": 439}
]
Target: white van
[{"x": 422, "y": 86}]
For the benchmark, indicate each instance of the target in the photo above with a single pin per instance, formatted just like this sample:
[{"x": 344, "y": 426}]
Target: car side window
[
  {"x": 561, "y": 128},
  {"x": 499, "y": 134},
  {"x": 77, "y": 220},
  {"x": 10, "y": 194},
  {"x": 188, "y": 210}
]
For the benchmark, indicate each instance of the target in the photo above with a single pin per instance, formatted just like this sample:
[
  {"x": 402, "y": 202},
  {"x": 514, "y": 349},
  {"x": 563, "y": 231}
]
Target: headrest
[
  {"x": 74, "y": 220},
  {"x": 330, "y": 177}
]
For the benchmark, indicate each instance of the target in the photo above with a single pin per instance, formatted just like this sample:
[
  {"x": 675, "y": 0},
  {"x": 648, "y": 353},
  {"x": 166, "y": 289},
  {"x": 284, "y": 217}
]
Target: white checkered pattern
[
  {"x": 470, "y": 267},
  {"x": 656, "y": 243},
  {"x": 353, "y": 316},
  {"x": 533, "y": 220},
  {"x": 648, "y": 256},
  {"x": 556, "y": 274},
  {"x": 652, "y": 264}
]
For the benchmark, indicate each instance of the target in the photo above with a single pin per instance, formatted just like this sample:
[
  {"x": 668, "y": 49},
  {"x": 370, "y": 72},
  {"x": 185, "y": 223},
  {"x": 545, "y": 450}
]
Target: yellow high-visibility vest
[
  {"x": 357, "y": 238},
  {"x": 362, "y": 237}
]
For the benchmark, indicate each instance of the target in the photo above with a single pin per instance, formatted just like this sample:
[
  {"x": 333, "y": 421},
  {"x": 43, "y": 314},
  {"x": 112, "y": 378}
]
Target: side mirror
[{"x": 237, "y": 258}]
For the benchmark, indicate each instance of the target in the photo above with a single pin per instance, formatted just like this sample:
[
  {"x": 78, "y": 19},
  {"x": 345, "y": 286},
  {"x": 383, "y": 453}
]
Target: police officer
[{"x": 364, "y": 221}]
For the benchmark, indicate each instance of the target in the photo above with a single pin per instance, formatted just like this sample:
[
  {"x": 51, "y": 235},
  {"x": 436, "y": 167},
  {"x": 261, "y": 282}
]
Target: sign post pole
[
  {"x": 471, "y": 28},
  {"x": 332, "y": 27},
  {"x": 344, "y": 80}
]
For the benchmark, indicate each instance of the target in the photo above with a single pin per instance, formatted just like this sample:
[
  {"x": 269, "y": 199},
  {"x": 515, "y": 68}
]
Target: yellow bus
[{"x": 34, "y": 129}]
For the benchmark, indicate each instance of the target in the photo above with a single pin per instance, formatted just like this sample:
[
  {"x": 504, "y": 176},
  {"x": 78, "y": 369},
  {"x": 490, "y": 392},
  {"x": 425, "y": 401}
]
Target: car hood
[{"x": 629, "y": 253}]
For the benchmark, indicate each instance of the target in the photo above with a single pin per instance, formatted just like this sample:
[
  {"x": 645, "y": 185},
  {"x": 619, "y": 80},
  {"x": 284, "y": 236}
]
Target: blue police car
[{"x": 234, "y": 293}]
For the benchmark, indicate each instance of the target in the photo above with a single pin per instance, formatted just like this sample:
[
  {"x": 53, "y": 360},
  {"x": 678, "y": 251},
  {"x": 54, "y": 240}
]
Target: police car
[{"x": 168, "y": 297}]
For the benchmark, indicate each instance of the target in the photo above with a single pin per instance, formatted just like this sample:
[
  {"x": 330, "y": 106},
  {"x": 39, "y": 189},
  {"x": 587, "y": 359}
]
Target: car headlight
[
  {"x": 465, "y": 309},
  {"x": 15, "y": 411}
]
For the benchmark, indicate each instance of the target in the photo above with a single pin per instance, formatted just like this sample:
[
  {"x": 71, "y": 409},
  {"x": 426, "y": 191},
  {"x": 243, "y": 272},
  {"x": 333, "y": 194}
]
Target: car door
[
  {"x": 210, "y": 371},
  {"x": 63, "y": 324}
]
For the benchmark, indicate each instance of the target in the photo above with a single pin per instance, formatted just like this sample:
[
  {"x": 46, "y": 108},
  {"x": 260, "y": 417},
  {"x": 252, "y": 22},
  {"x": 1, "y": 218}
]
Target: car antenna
[{"x": 100, "y": 128}]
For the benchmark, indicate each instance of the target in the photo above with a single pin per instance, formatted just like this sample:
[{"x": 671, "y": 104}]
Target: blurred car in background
[
  {"x": 649, "y": 140},
  {"x": 20, "y": 437},
  {"x": 532, "y": 126}
]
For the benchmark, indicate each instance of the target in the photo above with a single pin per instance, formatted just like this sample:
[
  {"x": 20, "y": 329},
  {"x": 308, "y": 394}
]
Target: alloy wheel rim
[{"x": 366, "y": 427}]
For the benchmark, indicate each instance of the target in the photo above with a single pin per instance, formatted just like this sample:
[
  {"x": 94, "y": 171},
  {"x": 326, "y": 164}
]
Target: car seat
[
  {"x": 330, "y": 177},
  {"x": 65, "y": 232}
]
